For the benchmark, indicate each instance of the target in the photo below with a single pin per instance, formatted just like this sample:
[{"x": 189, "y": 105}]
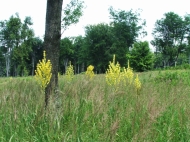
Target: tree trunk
[
  {"x": 82, "y": 69},
  {"x": 78, "y": 68},
  {"x": 75, "y": 67},
  {"x": 7, "y": 59},
  {"x": 52, "y": 43},
  {"x": 65, "y": 64}
]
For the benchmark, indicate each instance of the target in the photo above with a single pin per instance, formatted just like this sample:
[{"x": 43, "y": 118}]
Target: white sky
[{"x": 96, "y": 11}]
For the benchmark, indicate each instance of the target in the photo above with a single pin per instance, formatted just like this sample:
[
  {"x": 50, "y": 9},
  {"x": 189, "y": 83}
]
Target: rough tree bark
[{"x": 52, "y": 42}]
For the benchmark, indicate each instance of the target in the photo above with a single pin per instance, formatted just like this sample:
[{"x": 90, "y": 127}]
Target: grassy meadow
[{"x": 92, "y": 111}]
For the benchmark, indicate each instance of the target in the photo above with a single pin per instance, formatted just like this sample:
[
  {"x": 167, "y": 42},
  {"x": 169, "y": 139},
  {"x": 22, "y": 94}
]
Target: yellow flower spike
[
  {"x": 113, "y": 73},
  {"x": 137, "y": 84},
  {"x": 128, "y": 74},
  {"x": 90, "y": 73},
  {"x": 114, "y": 59},
  {"x": 69, "y": 72},
  {"x": 43, "y": 72},
  {"x": 44, "y": 55}
]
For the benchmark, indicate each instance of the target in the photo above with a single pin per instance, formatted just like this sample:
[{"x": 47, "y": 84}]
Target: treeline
[{"x": 20, "y": 50}]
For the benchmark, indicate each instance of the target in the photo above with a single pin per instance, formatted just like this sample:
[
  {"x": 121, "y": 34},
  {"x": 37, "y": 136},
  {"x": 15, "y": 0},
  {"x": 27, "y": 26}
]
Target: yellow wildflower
[
  {"x": 90, "y": 73},
  {"x": 43, "y": 71},
  {"x": 137, "y": 84},
  {"x": 113, "y": 73},
  {"x": 128, "y": 73},
  {"x": 69, "y": 72}
]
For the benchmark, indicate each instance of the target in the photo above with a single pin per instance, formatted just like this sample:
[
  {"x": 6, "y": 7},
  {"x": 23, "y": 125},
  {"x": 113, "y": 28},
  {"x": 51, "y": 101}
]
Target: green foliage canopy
[
  {"x": 98, "y": 42},
  {"x": 170, "y": 36},
  {"x": 127, "y": 26},
  {"x": 141, "y": 58}
]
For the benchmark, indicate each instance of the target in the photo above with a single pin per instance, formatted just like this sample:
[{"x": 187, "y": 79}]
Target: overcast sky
[{"x": 96, "y": 12}]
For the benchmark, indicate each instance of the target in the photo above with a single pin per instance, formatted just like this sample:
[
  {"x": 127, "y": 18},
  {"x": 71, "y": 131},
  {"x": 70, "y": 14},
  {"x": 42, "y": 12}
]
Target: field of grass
[{"x": 92, "y": 111}]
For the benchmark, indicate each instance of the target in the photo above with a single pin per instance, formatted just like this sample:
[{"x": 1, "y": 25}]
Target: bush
[{"x": 173, "y": 77}]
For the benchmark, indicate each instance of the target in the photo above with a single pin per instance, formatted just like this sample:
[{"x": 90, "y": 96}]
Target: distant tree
[
  {"x": 19, "y": 58},
  {"x": 141, "y": 58},
  {"x": 16, "y": 37},
  {"x": 170, "y": 36},
  {"x": 2, "y": 63},
  {"x": 10, "y": 38},
  {"x": 158, "y": 60},
  {"x": 21, "y": 52},
  {"x": 79, "y": 53},
  {"x": 127, "y": 27},
  {"x": 66, "y": 53},
  {"x": 187, "y": 49},
  {"x": 98, "y": 42},
  {"x": 35, "y": 54}
]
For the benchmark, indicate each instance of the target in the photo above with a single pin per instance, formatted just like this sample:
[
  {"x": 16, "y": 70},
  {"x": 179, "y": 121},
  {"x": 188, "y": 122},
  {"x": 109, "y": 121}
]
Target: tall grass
[{"x": 91, "y": 110}]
